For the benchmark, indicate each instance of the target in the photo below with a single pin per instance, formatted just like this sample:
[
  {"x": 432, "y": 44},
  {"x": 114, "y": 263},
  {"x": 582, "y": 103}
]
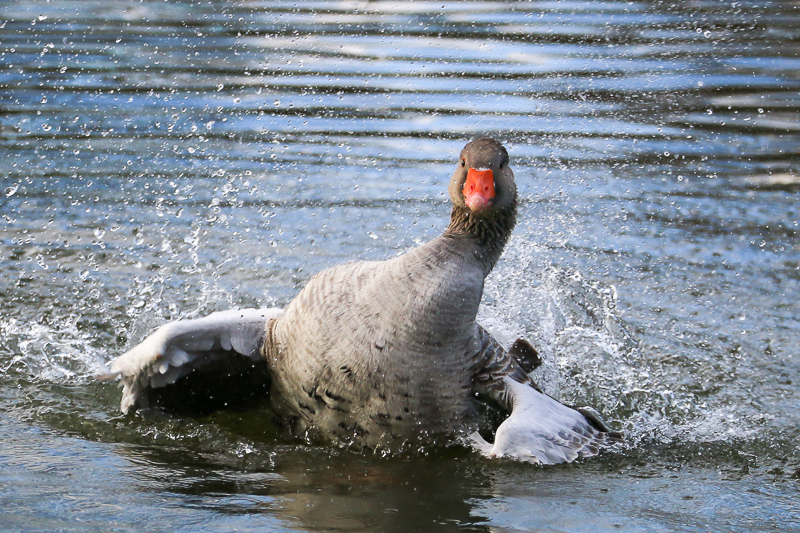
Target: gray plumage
[{"x": 387, "y": 354}]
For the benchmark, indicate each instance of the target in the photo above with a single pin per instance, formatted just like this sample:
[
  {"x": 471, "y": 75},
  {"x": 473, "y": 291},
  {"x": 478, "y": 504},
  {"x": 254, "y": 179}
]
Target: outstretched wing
[
  {"x": 539, "y": 428},
  {"x": 177, "y": 348}
]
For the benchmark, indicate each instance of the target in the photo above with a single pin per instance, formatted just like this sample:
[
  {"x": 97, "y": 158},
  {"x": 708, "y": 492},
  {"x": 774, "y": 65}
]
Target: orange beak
[{"x": 479, "y": 189}]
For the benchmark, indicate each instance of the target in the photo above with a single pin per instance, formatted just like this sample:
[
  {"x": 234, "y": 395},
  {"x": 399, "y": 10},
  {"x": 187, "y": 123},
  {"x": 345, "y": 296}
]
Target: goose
[{"x": 383, "y": 355}]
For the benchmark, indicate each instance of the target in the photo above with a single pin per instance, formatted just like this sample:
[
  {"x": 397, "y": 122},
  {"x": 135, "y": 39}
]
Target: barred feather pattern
[
  {"x": 377, "y": 354},
  {"x": 493, "y": 363}
]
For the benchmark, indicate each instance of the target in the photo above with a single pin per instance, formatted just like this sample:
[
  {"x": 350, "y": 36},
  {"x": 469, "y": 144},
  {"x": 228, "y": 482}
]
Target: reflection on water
[{"x": 164, "y": 160}]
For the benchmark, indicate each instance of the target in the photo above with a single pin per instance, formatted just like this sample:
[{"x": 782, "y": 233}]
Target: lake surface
[{"x": 163, "y": 160}]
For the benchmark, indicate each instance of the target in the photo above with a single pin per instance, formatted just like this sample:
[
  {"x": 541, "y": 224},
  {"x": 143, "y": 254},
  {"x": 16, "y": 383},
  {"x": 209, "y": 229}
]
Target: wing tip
[{"x": 106, "y": 376}]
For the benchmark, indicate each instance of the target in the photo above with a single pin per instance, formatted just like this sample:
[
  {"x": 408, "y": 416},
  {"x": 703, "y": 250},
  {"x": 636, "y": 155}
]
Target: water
[{"x": 163, "y": 160}]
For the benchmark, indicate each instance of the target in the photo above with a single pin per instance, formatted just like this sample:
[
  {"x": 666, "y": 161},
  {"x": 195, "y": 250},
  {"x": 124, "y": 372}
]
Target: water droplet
[
  {"x": 276, "y": 103},
  {"x": 10, "y": 191},
  {"x": 44, "y": 99},
  {"x": 237, "y": 100},
  {"x": 99, "y": 233}
]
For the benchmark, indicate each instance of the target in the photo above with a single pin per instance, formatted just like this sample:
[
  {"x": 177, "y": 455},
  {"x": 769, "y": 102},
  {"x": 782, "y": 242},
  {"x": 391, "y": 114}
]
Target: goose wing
[
  {"x": 539, "y": 429},
  {"x": 177, "y": 348}
]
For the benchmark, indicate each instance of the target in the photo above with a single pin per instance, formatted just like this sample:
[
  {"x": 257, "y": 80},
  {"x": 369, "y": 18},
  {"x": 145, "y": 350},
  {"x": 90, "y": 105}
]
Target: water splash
[
  {"x": 593, "y": 357},
  {"x": 57, "y": 352}
]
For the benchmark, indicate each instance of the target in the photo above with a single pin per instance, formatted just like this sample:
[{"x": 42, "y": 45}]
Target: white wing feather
[
  {"x": 542, "y": 430},
  {"x": 177, "y": 348}
]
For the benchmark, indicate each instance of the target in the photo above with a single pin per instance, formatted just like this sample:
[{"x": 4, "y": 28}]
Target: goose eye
[{"x": 463, "y": 162}]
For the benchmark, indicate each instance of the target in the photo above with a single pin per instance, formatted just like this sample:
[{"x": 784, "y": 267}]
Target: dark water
[{"x": 163, "y": 160}]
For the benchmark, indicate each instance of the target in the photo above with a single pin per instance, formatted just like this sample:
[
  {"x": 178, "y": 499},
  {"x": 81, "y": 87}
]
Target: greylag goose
[{"x": 387, "y": 354}]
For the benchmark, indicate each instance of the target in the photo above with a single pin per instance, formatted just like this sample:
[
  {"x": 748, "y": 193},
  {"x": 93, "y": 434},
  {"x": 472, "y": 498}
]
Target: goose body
[
  {"x": 378, "y": 351},
  {"x": 387, "y": 354}
]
